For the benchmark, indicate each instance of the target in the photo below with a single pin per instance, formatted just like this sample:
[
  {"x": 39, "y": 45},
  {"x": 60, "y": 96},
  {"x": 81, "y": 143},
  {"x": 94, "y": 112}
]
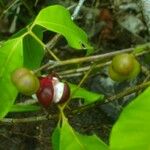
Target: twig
[
  {"x": 71, "y": 75},
  {"x": 128, "y": 91},
  {"x": 77, "y": 9},
  {"x": 42, "y": 44},
  {"x": 53, "y": 41},
  {"x": 28, "y": 102},
  {"x": 82, "y": 69},
  {"x": 29, "y": 119}
]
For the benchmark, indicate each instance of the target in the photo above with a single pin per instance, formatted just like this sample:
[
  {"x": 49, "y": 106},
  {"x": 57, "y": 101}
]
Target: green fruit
[
  {"x": 124, "y": 67},
  {"x": 123, "y": 64},
  {"x": 136, "y": 70},
  {"x": 25, "y": 81},
  {"x": 115, "y": 76}
]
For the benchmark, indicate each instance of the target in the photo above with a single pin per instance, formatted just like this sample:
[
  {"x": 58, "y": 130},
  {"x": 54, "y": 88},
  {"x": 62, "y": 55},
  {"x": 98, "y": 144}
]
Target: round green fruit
[
  {"x": 115, "y": 76},
  {"x": 136, "y": 70},
  {"x": 124, "y": 67},
  {"x": 25, "y": 81},
  {"x": 123, "y": 64}
]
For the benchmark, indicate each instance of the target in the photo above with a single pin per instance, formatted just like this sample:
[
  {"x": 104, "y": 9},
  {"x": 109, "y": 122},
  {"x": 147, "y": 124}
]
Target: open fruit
[{"x": 52, "y": 90}]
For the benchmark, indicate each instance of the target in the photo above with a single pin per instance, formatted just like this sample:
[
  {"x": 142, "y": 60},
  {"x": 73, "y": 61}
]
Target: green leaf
[
  {"x": 57, "y": 19},
  {"x": 24, "y": 108},
  {"x": 132, "y": 130},
  {"x": 11, "y": 57},
  {"x": 88, "y": 96},
  {"x": 19, "y": 33},
  {"x": 33, "y": 52},
  {"x": 65, "y": 138}
]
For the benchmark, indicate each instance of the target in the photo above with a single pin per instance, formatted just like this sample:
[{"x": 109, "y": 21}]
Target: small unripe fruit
[
  {"x": 25, "y": 81},
  {"x": 124, "y": 67},
  {"x": 123, "y": 64},
  {"x": 135, "y": 71},
  {"x": 114, "y": 75}
]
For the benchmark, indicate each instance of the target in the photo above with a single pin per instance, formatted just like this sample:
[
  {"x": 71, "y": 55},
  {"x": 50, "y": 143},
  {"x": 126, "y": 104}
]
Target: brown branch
[
  {"x": 28, "y": 119},
  {"x": 128, "y": 91}
]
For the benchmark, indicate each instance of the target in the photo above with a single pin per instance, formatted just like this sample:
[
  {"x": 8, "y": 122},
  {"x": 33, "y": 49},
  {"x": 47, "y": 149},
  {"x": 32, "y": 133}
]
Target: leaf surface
[
  {"x": 57, "y": 18},
  {"x": 65, "y": 138},
  {"x": 88, "y": 96},
  {"x": 11, "y": 57},
  {"x": 132, "y": 130},
  {"x": 33, "y": 52}
]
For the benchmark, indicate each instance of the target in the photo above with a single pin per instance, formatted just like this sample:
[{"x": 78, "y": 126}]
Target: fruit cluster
[
  {"x": 124, "y": 67},
  {"x": 48, "y": 89}
]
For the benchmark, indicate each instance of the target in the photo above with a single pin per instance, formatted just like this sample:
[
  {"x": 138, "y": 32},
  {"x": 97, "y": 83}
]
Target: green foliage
[
  {"x": 124, "y": 67},
  {"x": 132, "y": 130},
  {"x": 88, "y": 96},
  {"x": 56, "y": 18},
  {"x": 11, "y": 57},
  {"x": 33, "y": 50},
  {"x": 65, "y": 138}
]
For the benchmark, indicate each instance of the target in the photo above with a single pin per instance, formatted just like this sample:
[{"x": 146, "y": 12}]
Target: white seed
[{"x": 58, "y": 91}]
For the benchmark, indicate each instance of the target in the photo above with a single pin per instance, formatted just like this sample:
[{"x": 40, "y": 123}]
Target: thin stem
[
  {"x": 52, "y": 54},
  {"x": 128, "y": 91},
  {"x": 43, "y": 45},
  {"x": 77, "y": 9},
  {"x": 24, "y": 120},
  {"x": 53, "y": 41},
  {"x": 82, "y": 69},
  {"x": 36, "y": 38},
  {"x": 28, "y": 102},
  {"x": 71, "y": 75}
]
